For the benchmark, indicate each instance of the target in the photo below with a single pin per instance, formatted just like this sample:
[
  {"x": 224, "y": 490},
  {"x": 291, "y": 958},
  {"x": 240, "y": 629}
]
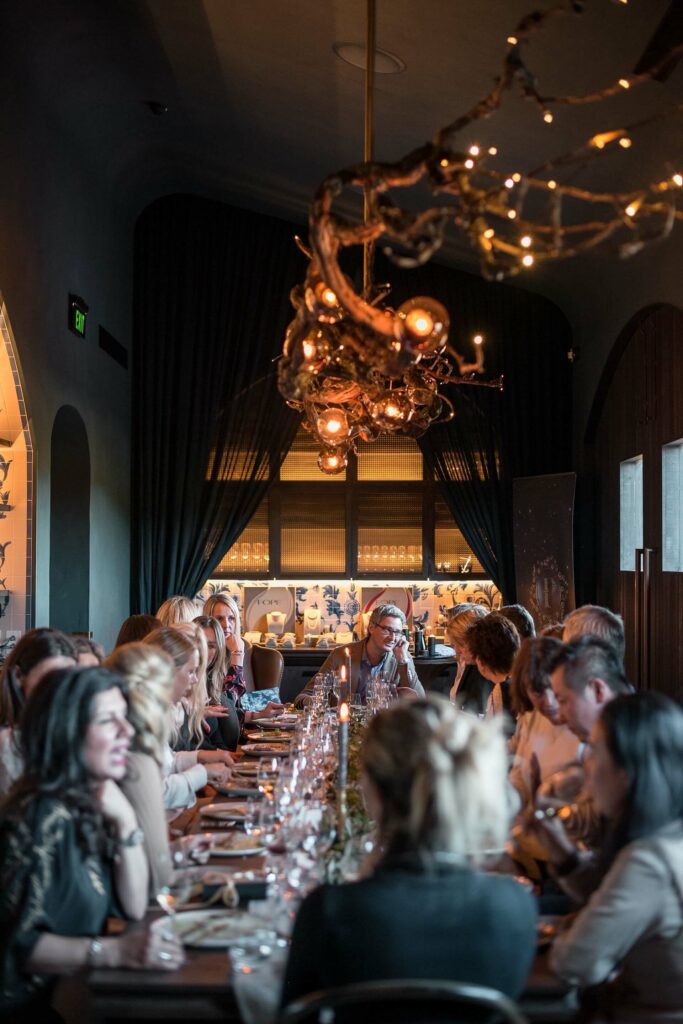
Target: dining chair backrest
[
  {"x": 263, "y": 667},
  {"x": 408, "y": 1001}
]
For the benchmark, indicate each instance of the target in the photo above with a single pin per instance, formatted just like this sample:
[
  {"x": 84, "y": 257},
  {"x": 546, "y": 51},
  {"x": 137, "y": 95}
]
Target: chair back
[
  {"x": 266, "y": 666},
  {"x": 411, "y": 1001}
]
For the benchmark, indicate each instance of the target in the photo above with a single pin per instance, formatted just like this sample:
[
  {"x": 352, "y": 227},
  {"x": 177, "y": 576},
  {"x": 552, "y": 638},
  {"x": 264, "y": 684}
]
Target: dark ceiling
[{"x": 259, "y": 109}]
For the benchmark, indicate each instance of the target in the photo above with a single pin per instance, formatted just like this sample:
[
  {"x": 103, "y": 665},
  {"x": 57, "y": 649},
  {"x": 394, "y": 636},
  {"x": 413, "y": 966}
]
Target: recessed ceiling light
[{"x": 354, "y": 53}]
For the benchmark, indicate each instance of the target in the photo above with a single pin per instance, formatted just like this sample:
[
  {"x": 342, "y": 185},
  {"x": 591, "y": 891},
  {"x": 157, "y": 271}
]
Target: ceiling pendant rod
[{"x": 369, "y": 246}]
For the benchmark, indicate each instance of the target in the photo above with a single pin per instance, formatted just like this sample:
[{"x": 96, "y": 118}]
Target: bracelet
[{"x": 95, "y": 948}]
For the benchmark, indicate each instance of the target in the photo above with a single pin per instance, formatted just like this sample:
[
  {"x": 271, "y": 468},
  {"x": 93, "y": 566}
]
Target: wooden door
[{"x": 642, "y": 410}]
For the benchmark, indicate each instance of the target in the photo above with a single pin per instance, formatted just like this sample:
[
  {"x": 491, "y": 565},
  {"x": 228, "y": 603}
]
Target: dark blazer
[
  {"x": 451, "y": 923},
  {"x": 473, "y": 692}
]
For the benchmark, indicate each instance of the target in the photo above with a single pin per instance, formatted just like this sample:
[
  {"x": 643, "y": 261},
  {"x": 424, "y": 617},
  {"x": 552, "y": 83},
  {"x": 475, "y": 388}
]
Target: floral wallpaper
[{"x": 341, "y": 601}]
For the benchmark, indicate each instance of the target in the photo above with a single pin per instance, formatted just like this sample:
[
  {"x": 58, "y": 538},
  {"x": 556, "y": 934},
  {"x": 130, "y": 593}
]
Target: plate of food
[
  {"x": 265, "y": 749},
  {"x": 224, "y": 811},
  {"x": 209, "y": 929},
  {"x": 234, "y": 844},
  {"x": 283, "y": 723},
  {"x": 244, "y": 769},
  {"x": 274, "y": 736}
]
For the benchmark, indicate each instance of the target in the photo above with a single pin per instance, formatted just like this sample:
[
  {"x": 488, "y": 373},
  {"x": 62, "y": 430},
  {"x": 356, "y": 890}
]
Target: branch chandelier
[{"x": 359, "y": 369}]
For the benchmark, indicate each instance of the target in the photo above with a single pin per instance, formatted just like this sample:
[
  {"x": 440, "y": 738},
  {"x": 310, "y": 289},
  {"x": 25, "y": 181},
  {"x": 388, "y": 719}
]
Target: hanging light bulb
[
  {"x": 422, "y": 324},
  {"x": 392, "y": 410},
  {"x": 322, "y": 301},
  {"x": 316, "y": 349},
  {"x": 333, "y": 426},
  {"x": 332, "y": 461}
]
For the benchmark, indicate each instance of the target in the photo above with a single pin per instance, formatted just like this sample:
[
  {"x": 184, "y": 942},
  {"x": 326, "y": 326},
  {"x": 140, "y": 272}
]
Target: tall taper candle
[{"x": 343, "y": 774}]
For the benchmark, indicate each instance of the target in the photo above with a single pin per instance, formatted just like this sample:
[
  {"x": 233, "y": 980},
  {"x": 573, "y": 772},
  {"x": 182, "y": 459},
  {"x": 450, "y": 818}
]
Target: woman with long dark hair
[
  {"x": 628, "y": 940},
  {"x": 71, "y": 850},
  {"x": 36, "y": 653},
  {"x": 434, "y": 783}
]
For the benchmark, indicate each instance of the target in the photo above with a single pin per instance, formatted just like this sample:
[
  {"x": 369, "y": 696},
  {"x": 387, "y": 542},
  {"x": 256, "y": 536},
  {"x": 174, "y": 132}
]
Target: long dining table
[{"x": 202, "y": 989}]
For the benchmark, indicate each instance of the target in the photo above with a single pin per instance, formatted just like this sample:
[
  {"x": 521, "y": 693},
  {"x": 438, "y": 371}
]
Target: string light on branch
[{"x": 358, "y": 368}]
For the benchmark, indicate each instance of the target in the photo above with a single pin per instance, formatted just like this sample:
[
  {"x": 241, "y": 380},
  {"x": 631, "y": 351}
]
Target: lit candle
[
  {"x": 343, "y": 747},
  {"x": 347, "y": 665}
]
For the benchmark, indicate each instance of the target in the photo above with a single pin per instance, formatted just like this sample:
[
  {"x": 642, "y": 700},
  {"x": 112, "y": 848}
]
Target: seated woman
[
  {"x": 434, "y": 782},
  {"x": 186, "y": 769},
  {"x": 470, "y": 691},
  {"x": 223, "y": 608},
  {"x": 176, "y": 609},
  {"x": 225, "y": 730},
  {"x": 541, "y": 744},
  {"x": 136, "y": 627},
  {"x": 70, "y": 846},
  {"x": 38, "y": 652},
  {"x": 628, "y": 939}
]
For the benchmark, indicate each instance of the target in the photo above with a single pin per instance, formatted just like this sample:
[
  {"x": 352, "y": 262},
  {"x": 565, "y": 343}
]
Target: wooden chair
[
  {"x": 411, "y": 1001},
  {"x": 263, "y": 667}
]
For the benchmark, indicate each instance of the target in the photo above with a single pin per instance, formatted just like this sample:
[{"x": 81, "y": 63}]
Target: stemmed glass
[{"x": 267, "y": 773}]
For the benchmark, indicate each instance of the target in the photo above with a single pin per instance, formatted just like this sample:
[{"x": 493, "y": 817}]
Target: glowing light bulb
[
  {"x": 509, "y": 183},
  {"x": 632, "y": 209},
  {"x": 444, "y": 162},
  {"x": 492, "y": 150},
  {"x": 625, "y": 143},
  {"x": 552, "y": 184},
  {"x": 525, "y": 241},
  {"x": 624, "y": 83},
  {"x": 478, "y": 339},
  {"x": 308, "y": 348},
  {"x": 678, "y": 180},
  {"x": 328, "y": 296},
  {"x": 332, "y": 461},
  {"x": 512, "y": 214},
  {"x": 528, "y": 260},
  {"x": 474, "y": 151},
  {"x": 548, "y": 117},
  {"x": 489, "y": 233},
  {"x": 469, "y": 164},
  {"x": 392, "y": 410},
  {"x": 419, "y": 322},
  {"x": 333, "y": 426},
  {"x": 516, "y": 177},
  {"x": 512, "y": 40}
]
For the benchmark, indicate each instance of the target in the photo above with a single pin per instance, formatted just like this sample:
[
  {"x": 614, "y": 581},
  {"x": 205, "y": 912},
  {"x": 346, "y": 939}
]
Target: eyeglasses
[{"x": 390, "y": 632}]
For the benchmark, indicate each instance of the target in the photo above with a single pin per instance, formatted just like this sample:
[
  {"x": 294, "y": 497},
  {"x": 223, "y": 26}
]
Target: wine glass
[{"x": 267, "y": 773}]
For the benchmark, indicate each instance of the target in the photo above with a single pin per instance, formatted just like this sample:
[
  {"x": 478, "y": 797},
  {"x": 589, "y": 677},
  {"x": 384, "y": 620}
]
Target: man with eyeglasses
[{"x": 383, "y": 654}]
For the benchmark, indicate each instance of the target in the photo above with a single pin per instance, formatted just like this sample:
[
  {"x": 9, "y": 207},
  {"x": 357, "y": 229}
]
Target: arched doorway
[
  {"x": 16, "y": 496},
  {"x": 636, "y": 430},
  {"x": 70, "y": 523}
]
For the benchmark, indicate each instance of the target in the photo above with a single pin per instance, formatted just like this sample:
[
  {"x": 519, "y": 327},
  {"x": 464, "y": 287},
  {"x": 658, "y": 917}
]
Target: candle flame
[
  {"x": 344, "y": 712},
  {"x": 342, "y": 673}
]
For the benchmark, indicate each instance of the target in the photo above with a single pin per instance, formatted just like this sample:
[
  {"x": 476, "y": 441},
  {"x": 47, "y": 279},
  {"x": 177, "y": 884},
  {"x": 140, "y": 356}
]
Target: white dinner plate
[
  {"x": 209, "y": 929},
  {"x": 234, "y": 844},
  {"x": 265, "y": 737},
  {"x": 245, "y": 768},
  {"x": 265, "y": 749},
  {"x": 224, "y": 811}
]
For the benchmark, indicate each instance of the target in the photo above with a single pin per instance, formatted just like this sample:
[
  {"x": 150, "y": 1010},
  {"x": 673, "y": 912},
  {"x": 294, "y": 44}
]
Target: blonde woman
[
  {"x": 224, "y": 609},
  {"x": 434, "y": 782},
  {"x": 470, "y": 691},
  {"x": 176, "y": 609},
  {"x": 226, "y": 726},
  {"x": 195, "y": 767}
]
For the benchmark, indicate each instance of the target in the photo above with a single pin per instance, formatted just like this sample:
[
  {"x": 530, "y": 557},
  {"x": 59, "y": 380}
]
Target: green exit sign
[{"x": 78, "y": 314}]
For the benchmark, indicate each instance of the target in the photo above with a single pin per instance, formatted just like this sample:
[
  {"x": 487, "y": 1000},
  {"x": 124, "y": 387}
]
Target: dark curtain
[
  {"x": 494, "y": 437},
  {"x": 210, "y": 430}
]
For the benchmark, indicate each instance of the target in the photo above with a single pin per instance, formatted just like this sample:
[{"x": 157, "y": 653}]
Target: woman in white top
[{"x": 540, "y": 744}]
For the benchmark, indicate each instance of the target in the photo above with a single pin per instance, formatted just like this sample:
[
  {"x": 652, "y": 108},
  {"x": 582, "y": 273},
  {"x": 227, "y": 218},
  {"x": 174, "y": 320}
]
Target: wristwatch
[{"x": 136, "y": 837}]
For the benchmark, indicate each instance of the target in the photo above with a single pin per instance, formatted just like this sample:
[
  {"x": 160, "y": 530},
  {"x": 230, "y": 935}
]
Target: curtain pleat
[{"x": 212, "y": 290}]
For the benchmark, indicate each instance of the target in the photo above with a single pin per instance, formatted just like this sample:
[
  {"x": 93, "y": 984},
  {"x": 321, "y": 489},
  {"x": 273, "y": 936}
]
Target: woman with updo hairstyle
[
  {"x": 71, "y": 850},
  {"x": 626, "y": 944},
  {"x": 36, "y": 653},
  {"x": 541, "y": 743},
  {"x": 434, "y": 783}
]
